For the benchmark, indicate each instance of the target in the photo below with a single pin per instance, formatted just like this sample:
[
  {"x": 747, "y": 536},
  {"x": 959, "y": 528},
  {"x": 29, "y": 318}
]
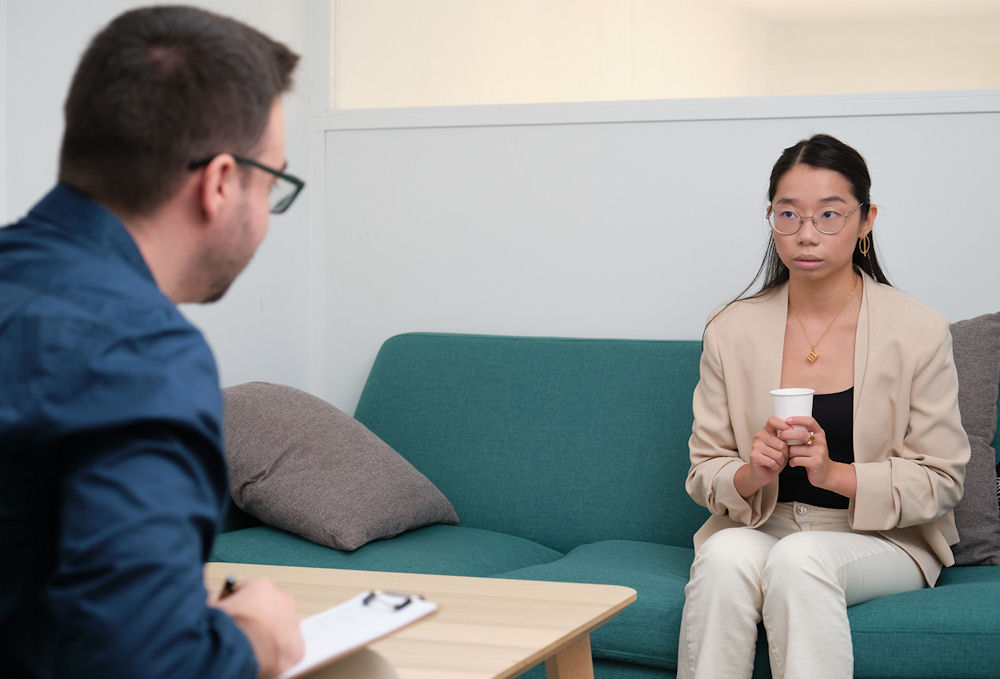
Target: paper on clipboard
[{"x": 352, "y": 625}]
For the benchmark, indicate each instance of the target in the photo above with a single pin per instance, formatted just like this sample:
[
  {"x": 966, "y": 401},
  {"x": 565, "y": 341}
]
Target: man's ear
[{"x": 218, "y": 186}]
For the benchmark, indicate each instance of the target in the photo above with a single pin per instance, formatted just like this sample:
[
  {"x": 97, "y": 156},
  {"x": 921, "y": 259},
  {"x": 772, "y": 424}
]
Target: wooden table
[{"x": 485, "y": 628}]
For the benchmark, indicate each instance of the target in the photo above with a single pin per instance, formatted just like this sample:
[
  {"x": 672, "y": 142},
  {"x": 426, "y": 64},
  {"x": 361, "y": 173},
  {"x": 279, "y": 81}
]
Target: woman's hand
[
  {"x": 768, "y": 457},
  {"x": 814, "y": 456}
]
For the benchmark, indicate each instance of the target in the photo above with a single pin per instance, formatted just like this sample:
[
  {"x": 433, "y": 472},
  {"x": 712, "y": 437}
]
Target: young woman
[{"x": 858, "y": 504}]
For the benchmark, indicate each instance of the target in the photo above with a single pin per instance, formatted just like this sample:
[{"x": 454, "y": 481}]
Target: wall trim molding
[{"x": 666, "y": 110}]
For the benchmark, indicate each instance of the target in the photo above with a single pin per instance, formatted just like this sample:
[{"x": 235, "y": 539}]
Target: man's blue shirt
[{"x": 112, "y": 475}]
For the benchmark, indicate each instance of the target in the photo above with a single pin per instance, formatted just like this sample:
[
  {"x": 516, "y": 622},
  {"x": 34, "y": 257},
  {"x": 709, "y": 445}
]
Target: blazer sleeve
[
  {"x": 922, "y": 479},
  {"x": 714, "y": 453}
]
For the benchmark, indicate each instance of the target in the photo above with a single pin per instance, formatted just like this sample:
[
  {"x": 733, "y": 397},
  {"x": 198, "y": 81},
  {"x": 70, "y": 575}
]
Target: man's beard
[{"x": 222, "y": 262}]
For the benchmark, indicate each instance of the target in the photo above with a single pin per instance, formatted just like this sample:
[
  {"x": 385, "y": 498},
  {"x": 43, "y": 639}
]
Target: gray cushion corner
[
  {"x": 300, "y": 464},
  {"x": 976, "y": 347}
]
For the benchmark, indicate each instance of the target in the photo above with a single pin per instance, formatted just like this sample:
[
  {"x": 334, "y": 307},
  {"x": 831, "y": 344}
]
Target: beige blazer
[{"x": 910, "y": 449}]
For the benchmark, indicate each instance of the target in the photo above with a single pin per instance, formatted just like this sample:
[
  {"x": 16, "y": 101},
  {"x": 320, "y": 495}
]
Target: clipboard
[{"x": 352, "y": 625}]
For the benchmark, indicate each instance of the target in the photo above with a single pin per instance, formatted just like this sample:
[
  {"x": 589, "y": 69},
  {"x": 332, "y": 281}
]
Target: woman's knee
[
  {"x": 739, "y": 552},
  {"x": 799, "y": 558}
]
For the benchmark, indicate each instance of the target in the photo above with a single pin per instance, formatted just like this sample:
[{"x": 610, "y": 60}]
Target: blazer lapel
[{"x": 777, "y": 319}]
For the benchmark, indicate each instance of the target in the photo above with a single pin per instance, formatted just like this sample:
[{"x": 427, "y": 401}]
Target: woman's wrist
[
  {"x": 842, "y": 480},
  {"x": 746, "y": 484}
]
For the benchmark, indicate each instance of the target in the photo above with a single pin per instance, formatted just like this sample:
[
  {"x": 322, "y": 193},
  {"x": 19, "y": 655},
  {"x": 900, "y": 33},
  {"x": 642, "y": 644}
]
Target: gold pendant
[{"x": 812, "y": 355}]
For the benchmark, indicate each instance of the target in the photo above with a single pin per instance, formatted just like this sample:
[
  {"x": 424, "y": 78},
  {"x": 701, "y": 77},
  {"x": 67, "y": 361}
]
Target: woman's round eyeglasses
[{"x": 787, "y": 221}]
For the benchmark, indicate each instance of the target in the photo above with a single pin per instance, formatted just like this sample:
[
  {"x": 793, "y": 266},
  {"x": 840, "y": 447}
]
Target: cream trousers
[{"x": 798, "y": 573}]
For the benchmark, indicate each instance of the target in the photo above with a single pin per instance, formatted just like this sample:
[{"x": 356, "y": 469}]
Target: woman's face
[{"x": 807, "y": 191}]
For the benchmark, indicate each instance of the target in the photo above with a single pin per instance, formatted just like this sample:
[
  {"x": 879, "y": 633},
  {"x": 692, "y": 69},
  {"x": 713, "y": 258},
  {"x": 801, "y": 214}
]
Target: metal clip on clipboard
[
  {"x": 394, "y": 600},
  {"x": 352, "y": 625}
]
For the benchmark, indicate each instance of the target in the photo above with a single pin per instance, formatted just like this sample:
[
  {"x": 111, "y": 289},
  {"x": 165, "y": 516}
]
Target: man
[{"x": 113, "y": 478}]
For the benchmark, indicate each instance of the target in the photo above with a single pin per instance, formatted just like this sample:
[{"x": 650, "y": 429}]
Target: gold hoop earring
[{"x": 864, "y": 245}]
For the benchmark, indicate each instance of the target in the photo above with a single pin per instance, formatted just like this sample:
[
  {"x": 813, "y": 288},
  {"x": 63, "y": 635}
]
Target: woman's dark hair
[
  {"x": 828, "y": 153},
  {"x": 158, "y": 88}
]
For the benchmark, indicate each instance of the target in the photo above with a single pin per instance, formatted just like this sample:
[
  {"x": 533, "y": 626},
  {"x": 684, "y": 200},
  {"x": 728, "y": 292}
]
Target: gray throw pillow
[
  {"x": 977, "y": 359},
  {"x": 298, "y": 463}
]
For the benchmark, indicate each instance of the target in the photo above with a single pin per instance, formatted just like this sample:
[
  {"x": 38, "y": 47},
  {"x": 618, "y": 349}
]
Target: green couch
[{"x": 565, "y": 460}]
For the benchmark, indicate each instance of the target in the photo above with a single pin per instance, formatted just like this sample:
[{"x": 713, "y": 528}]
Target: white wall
[
  {"x": 633, "y": 223},
  {"x": 262, "y": 329}
]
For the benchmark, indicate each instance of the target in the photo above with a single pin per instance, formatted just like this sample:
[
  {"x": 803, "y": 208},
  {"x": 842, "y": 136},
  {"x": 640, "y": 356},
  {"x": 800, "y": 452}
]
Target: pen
[{"x": 228, "y": 587}]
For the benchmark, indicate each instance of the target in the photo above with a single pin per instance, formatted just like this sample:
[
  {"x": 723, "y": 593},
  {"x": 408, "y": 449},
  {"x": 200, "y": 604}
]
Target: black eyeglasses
[{"x": 283, "y": 191}]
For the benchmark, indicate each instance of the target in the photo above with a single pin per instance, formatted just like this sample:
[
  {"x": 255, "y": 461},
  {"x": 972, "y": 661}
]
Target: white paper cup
[{"x": 791, "y": 402}]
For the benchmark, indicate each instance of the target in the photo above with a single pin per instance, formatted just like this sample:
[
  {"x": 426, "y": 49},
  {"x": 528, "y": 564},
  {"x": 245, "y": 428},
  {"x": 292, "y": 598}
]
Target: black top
[{"x": 835, "y": 414}]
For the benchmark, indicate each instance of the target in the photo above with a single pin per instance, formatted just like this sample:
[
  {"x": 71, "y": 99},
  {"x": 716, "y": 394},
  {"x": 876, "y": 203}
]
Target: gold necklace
[{"x": 812, "y": 355}]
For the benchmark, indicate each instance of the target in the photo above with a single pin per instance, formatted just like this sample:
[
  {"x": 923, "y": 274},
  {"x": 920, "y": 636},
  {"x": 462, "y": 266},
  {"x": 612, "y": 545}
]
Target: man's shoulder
[
  {"x": 85, "y": 304},
  {"x": 72, "y": 247},
  {"x": 85, "y": 355},
  {"x": 60, "y": 275}
]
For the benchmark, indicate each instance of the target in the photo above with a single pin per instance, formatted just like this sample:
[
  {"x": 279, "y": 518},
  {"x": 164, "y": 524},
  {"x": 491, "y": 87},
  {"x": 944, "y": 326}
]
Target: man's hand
[{"x": 267, "y": 616}]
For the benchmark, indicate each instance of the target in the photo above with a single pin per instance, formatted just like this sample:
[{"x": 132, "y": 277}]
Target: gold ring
[{"x": 812, "y": 437}]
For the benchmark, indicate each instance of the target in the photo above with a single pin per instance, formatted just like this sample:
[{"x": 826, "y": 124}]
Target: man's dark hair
[{"x": 158, "y": 88}]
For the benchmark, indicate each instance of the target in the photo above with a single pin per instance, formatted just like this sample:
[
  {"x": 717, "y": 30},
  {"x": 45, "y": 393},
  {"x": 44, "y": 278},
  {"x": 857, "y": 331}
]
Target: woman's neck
[{"x": 825, "y": 296}]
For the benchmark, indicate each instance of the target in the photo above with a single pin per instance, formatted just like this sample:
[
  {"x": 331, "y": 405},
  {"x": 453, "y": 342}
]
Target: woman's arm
[
  {"x": 716, "y": 466},
  {"x": 923, "y": 480}
]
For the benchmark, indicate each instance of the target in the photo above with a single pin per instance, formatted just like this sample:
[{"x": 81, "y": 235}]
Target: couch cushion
[
  {"x": 446, "y": 550},
  {"x": 952, "y": 630},
  {"x": 556, "y": 440},
  {"x": 646, "y": 632},
  {"x": 298, "y": 463},
  {"x": 977, "y": 516}
]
